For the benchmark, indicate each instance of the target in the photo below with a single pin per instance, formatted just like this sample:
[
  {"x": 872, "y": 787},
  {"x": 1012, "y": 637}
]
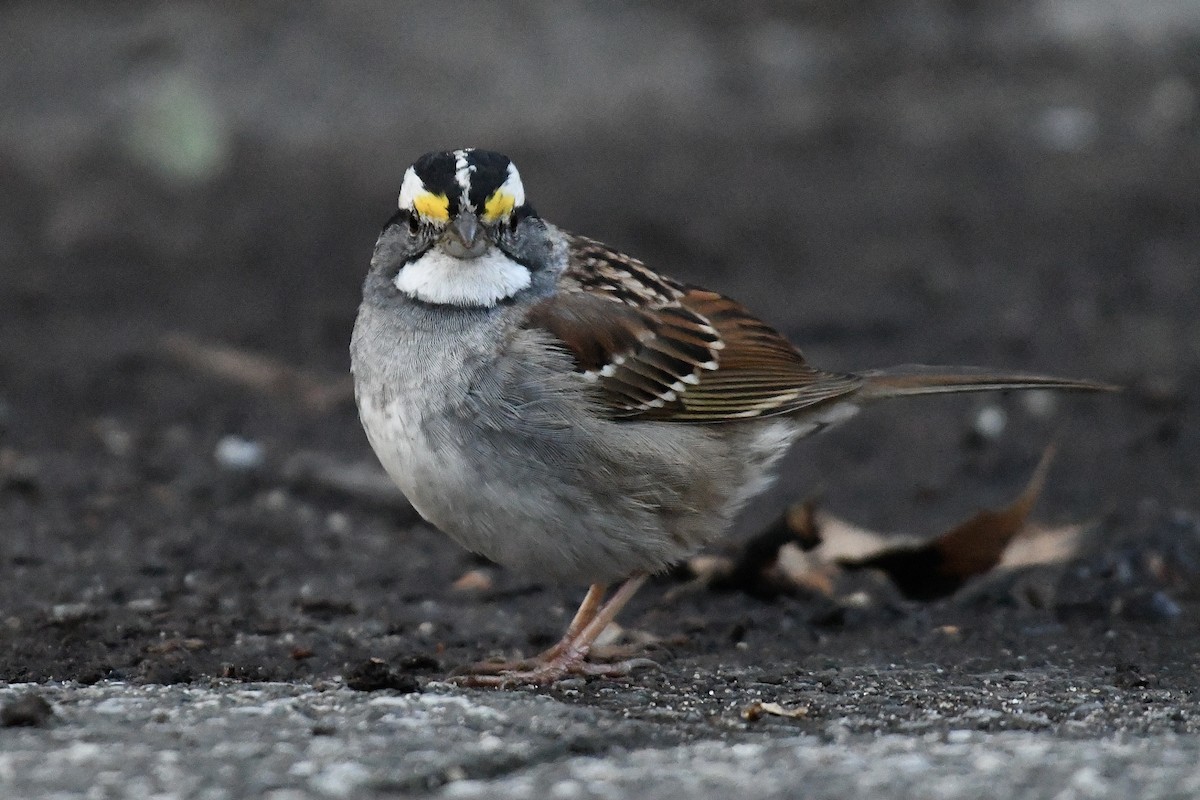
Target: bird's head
[{"x": 464, "y": 233}]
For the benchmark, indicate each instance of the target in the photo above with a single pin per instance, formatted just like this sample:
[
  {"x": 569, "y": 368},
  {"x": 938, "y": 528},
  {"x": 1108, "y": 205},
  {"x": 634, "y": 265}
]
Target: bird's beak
[{"x": 464, "y": 237}]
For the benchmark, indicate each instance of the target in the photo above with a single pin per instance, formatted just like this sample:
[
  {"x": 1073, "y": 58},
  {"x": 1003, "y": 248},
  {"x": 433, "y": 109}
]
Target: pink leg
[
  {"x": 569, "y": 656},
  {"x": 593, "y": 601},
  {"x": 591, "y": 604}
]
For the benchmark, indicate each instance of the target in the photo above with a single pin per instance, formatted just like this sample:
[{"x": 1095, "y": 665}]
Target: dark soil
[{"x": 887, "y": 183}]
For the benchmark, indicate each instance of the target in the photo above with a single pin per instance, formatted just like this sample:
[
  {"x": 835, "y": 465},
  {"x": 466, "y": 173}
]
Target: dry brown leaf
[
  {"x": 941, "y": 566},
  {"x": 806, "y": 549}
]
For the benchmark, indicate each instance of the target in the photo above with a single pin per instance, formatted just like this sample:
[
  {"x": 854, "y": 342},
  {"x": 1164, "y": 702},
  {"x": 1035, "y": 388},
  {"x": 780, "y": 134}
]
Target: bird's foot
[
  {"x": 543, "y": 672},
  {"x": 569, "y": 656}
]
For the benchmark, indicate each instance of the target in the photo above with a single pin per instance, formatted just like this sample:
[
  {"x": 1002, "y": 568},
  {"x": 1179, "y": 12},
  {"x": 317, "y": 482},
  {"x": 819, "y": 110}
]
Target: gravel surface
[{"x": 296, "y": 741}]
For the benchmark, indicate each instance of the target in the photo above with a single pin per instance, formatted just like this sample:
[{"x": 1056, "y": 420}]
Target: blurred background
[{"x": 1002, "y": 182}]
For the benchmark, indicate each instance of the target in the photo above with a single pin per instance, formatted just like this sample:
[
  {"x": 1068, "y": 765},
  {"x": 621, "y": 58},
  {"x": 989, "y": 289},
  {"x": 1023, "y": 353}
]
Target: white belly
[{"x": 417, "y": 465}]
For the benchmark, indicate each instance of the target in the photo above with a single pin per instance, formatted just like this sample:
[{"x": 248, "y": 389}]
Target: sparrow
[{"x": 562, "y": 409}]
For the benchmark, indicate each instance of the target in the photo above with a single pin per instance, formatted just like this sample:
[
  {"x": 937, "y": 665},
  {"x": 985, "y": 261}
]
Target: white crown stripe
[
  {"x": 410, "y": 188},
  {"x": 462, "y": 174},
  {"x": 513, "y": 186}
]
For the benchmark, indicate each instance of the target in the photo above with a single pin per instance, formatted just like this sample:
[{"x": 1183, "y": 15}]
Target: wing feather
[{"x": 658, "y": 349}]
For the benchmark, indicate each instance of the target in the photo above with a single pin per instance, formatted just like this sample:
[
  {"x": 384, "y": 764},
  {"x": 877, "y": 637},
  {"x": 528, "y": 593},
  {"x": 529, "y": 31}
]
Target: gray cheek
[
  {"x": 542, "y": 282},
  {"x": 392, "y": 250}
]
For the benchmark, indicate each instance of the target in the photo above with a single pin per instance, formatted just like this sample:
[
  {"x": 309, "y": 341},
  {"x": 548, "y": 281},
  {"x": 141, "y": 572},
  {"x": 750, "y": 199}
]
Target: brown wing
[{"x": 657, "y": 349}]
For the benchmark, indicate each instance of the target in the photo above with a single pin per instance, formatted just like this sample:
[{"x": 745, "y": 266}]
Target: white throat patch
[{"x": 445, "y": 280}]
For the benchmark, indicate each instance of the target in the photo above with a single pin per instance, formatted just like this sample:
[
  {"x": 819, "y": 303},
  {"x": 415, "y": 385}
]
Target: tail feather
[{"x": 914, "y": 379}]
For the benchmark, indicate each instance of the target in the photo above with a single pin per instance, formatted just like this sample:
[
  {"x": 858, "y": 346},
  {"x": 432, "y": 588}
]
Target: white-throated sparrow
[{"x": 560, "y": 408}]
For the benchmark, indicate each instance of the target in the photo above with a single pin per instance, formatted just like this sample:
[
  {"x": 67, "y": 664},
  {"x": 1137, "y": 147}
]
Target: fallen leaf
[
  {"x": 843, "y": 541},
  {"x": 475, "y": 580},
  {"x": 806, "y": 550},
  {"x": 755, "y": 570},
  {"x": 758, "y": 709},
  {"x": 941, "y": 566},
  {"x": 1044, "y": 544},
  {"x": 807, "y": 571}
]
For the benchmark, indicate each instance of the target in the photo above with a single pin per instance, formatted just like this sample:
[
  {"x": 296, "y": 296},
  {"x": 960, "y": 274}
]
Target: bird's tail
[{"x": 912, "y": 379}]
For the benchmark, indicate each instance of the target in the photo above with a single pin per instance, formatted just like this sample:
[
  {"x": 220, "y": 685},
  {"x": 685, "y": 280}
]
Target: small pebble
[
  {"x": 337, "y": 522},
  {"x": 71, "y": 612},
  {"x": 26, "y": 711},
  {"x": 116, "y": 439},
  {"x": 236, "y": 453},
  {"x": 476, "y": 580},
  {"x": 276, "y": 500},
  {"x": 375, "y": 674},
  {"x": 1163, "y": 607},
  {"x": 990, "y": 422},
  {"x": 143, "y": 605},
  {"x": 19, "y": 473}
]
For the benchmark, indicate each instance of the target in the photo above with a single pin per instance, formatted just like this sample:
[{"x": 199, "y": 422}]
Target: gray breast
[{"x": 493, "y": 437}]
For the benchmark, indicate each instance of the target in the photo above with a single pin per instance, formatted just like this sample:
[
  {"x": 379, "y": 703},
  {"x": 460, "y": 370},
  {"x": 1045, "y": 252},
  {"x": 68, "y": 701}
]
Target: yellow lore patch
[
  {"x": 499, "y": 205},
  {"x": 434, "y": 206}
]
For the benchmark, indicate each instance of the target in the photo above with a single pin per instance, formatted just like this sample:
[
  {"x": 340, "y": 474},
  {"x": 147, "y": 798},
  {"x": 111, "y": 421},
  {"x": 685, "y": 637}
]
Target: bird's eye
[{"x": 414, "y": 224}]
